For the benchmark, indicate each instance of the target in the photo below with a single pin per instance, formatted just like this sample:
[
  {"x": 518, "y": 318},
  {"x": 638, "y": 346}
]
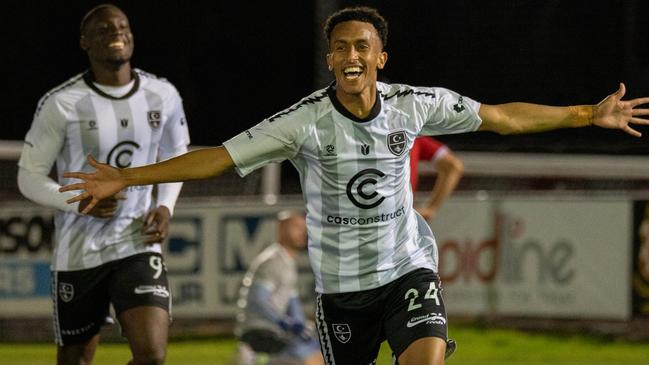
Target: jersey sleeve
[
  {"x": 272, "y": 140},
  {"x": 43, "y": 143},
  {"x": 450, "y": 113},
  {"x": 174, "y": 141},
  {"x": 175, "y": 136},
  {"x": 44, "y": 140}
]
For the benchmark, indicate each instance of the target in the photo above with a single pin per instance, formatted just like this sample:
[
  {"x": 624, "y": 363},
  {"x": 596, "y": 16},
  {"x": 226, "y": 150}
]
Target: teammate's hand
[
  {"x": 427, "y": 212},
  {"x": 613, "y": 112},
  {"x": 105, "y": 208},
  {"x": 105, "y": 182},
  {"x": 156, "y": 225}
]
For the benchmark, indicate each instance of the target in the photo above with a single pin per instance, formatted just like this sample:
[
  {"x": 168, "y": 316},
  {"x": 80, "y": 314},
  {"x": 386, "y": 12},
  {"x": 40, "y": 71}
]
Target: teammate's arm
[
  {"x": 41, "y": 189},
  {"x": 259, "y": 299},
  {"x": 612, "y": 112},
  {"x": 108, "y": 180}
]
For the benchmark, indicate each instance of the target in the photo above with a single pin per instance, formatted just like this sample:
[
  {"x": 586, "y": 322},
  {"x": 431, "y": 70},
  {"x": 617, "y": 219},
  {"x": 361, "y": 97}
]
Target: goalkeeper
[{"x": 271, "y": 322}]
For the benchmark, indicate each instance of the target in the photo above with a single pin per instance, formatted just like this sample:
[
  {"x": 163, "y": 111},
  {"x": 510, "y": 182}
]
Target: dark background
[{"x": 237, "y": 62}]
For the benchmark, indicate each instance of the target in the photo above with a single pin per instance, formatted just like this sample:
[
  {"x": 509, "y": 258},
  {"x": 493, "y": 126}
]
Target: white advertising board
[
  {"x": 518, "y": 256},
  {"x": 536, "y": 257}
]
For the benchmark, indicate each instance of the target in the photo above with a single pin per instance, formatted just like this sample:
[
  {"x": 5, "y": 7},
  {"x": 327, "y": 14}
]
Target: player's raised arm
[
  {"x": 107, "y": 180},
  {"x": 612, "y": 112}
]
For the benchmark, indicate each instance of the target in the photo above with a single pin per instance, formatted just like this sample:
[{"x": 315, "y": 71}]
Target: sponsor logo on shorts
[
  {"x": 66, "y": 292},
  {"x": 430, "y": 318},
  {"x": 342, "y": 332},
  {"x": 158, "y": 290},
  {"x": 78, "y": 331}
]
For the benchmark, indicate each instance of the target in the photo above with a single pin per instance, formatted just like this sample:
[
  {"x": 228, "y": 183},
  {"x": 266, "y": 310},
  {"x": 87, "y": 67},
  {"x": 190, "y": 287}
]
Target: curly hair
[{"x": 362, "y": 14}]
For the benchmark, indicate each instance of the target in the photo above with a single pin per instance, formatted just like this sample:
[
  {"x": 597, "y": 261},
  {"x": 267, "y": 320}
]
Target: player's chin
[
  {"x": 352, "y": 87},
  {"x": 119, "y": 59}
]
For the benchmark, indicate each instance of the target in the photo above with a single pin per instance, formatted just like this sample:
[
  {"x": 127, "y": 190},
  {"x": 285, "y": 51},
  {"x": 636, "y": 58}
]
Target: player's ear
[
  {"x": 329, "y": 62},
  {"x": 83, "y": 43},
  {"x": 383, "y": 58}
]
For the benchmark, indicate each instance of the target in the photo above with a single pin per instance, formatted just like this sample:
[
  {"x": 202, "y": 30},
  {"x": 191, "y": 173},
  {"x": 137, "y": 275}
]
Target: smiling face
[
  {"x": 355, "y": 56},
  {"x": 106, "y": 37}
]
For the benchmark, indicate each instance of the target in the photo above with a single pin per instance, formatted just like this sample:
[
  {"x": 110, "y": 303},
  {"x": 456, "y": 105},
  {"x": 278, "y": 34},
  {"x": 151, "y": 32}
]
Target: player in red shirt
[{"x": 449, "y": 171}]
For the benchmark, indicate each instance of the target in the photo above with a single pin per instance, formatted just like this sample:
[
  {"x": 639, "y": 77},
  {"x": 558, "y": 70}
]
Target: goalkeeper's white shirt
[
  {"x": 363, "y": 231},
  {"x": 146, "y": 123}
]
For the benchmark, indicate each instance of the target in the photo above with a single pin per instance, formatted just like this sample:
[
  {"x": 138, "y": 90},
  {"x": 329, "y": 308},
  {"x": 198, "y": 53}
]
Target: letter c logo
[{"x": 361, "y": 189}]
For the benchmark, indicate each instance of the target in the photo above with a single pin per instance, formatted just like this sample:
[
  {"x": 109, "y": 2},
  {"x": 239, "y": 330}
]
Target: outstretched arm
[
  {"x": 612, "y": 112},
  {"x": 107, "y": 180}
]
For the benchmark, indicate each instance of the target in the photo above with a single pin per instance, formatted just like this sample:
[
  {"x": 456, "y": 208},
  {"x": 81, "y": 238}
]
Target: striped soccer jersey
[
  {"x": 76, "y": 119},
  {"x": 363, "y": 231}
]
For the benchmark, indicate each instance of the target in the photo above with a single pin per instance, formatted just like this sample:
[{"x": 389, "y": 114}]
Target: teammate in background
[
  {"x": 110, "y": 253},
  {"x": 270, "y": 319},
  {"x": 374, "y": 258},
  {"x": 449, "y": 171}
]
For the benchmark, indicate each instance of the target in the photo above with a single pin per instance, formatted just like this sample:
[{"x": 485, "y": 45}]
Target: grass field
[{"x": 477, "y": 346}]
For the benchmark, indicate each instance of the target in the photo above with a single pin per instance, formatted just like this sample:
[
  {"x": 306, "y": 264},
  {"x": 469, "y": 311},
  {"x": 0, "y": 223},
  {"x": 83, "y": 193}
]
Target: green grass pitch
[{"x": 476, "y": 346}]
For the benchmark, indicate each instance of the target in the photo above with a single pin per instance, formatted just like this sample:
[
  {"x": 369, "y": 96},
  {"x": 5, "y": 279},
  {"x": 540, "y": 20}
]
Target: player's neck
[
  {"x": 112, "y": 76},
  {"x": 360, "y": 104}
]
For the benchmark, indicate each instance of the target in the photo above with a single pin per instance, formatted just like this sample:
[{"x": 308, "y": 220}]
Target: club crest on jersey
[
  {"x": 397, "y": 142},
  {"x": 154, "y": 117},
  {"x": 66, "y": 292},
  {"x": 342, "y": 332}
]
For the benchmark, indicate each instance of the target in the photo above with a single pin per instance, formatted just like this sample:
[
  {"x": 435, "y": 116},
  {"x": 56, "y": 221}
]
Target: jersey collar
[
  {"x": 376, "y": 108},
  {"x": 89, "y": 78}
]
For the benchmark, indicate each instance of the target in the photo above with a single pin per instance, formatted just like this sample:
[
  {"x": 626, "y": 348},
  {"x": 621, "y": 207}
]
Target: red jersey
[{"x": 424, "y": 149}]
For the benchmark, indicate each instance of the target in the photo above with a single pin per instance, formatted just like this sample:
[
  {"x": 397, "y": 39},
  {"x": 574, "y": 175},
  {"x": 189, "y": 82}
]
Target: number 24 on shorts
[{"x": 413, "y": 294}]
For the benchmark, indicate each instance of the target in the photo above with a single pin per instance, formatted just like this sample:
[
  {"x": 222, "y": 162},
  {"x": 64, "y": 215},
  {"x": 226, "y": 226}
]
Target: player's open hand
[
  {"x": 427, "y": 212},
  {"x": 613, "y": 112},
  {"x": 105, "y": 182},
  {"x": 156, "y": 225}
]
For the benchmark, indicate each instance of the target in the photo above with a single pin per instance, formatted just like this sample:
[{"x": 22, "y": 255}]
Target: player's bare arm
[
  {"x": 612, "y": 112},
  {"x": 107, "y": 180},
  {"x": 449, "y": 171}
]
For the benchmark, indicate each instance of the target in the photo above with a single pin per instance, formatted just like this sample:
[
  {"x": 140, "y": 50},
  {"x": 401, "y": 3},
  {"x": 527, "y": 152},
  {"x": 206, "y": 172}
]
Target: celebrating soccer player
[
  {"x": 374, "y": 258},
  {"x": 107, "y": 251}
]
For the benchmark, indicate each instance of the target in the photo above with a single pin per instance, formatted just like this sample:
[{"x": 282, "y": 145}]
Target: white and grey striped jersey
[
  {"x": 76, "y": 119},
  {"x": 363, "y": 231}
]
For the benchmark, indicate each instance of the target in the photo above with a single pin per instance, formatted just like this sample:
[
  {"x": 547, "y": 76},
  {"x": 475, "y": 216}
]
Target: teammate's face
[
  {"x": 107, "y": 37},
  {"x": 355, "y": 56}
]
